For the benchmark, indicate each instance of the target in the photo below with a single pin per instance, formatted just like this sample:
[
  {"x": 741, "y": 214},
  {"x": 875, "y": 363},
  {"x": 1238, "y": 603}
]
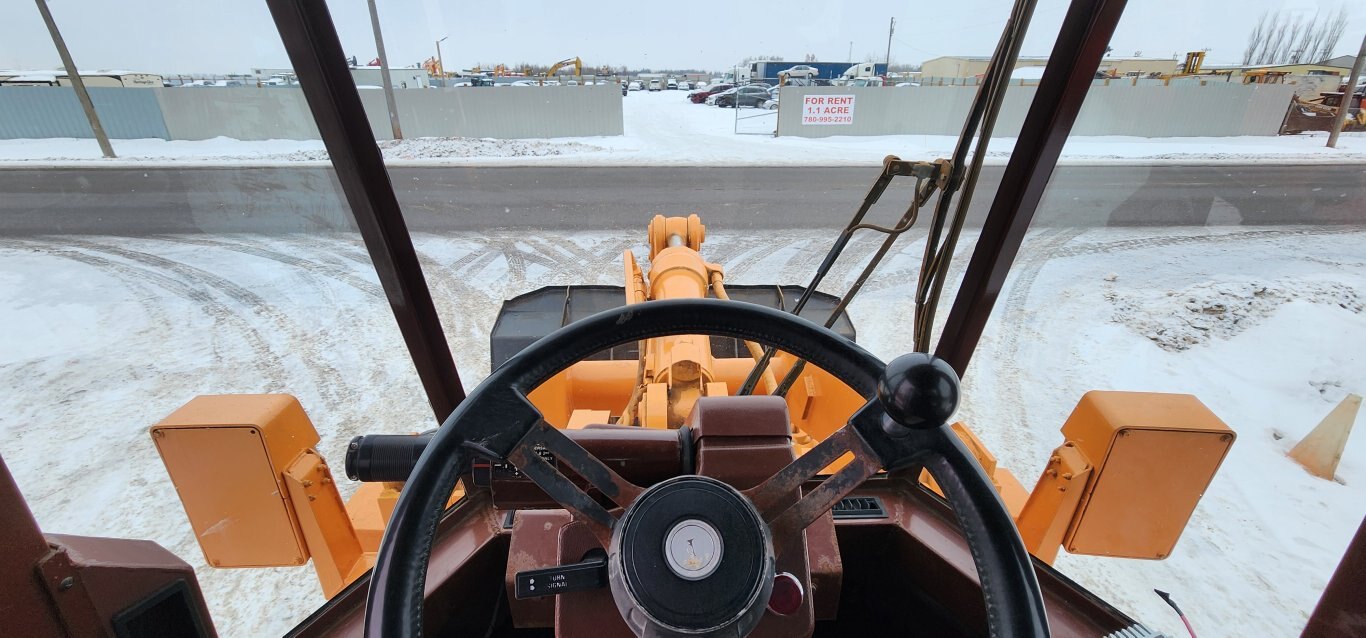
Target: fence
[
  {"x": 250, "y": 113},
  {"x": 1215, "y": 110},
  {"x": 42, "y": 112}
]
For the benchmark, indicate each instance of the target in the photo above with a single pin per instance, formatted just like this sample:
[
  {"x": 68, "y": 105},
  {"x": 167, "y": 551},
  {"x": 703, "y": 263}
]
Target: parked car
[
  {"x": 772, "y": 102},
  {"x": 523, "y": 83},
  {"x": 671, "y": 85},
  {"x": 684, "y": 85},
  {"x": 801, "y": 71},
  {"x": 762, "y": 85},
  {"x": 634, "y": 86},
  {"x": 655, "y": 85},
  {"x": 743, "y": 96},
  {"x": 700, "y": 97}
]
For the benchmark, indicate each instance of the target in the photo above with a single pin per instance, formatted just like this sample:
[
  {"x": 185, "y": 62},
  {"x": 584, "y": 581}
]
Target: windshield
[{"x": 1197, "y": 237}]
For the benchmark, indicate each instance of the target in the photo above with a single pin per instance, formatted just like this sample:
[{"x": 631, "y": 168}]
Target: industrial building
[
  {"x": 403, "y": 78},
  {"x": 967, "y": 66},
  {"x": 93, "y": 79},
  {"x": 1341, "y": 65}
]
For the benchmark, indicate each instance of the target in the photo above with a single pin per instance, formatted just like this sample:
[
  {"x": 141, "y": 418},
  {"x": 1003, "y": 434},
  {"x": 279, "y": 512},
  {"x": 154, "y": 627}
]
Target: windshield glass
[{"x": 187, "y": 234}]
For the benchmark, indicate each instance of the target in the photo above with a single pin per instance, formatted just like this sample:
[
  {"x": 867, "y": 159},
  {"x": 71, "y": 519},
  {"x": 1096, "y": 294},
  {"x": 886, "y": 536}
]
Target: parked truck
[
  {"x": 769, "y": 70},
  {"x": 862, "y": 74}
]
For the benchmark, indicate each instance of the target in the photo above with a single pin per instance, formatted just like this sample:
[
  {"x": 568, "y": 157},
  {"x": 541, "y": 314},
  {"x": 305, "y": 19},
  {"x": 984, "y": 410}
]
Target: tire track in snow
[
  {"x": 262, "y": 354},
  {"x": 325, "y": 377},
  {"x": 314, "y": 267},
  {"x": 1162, "y": 242},
  {"x": 1015, "y": 429}
]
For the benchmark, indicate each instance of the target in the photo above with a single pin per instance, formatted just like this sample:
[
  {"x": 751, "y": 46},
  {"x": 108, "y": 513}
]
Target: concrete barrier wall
[
  {"x": 505, "y": 113},
  {"x": 1216, "y": 110},
  {"x": 244, "y": 113},
  {"x": 509, "y": 113},
  {"x": 37, "y": 112},
  {"x": 250, "y": 113}
]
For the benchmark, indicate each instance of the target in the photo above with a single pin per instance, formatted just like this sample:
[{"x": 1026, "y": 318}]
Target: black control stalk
[{"x": 591, "y": 573}]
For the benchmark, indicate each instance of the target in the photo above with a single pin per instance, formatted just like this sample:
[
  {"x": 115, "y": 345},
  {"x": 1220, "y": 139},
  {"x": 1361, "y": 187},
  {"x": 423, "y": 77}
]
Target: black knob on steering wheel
[{"x": 918, "y": 390}]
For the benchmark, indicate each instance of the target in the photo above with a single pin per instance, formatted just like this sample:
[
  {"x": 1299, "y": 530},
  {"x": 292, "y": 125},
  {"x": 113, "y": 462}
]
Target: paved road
[{"x": 153, "y": 201}]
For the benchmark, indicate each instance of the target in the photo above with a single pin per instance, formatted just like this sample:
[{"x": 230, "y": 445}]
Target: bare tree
[
  {"x": 1290, "y": 54},
  {"x": 1282, "y": 38},
  {"x": 810, "y": 57},
  {"x": 1274, "y": 40},
  {"x": 1256, "y": 40},
  {"x": 1332, "y": 32}
]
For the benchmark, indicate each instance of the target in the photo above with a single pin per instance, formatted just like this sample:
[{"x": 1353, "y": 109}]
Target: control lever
[{"x": 591, "y": 573}]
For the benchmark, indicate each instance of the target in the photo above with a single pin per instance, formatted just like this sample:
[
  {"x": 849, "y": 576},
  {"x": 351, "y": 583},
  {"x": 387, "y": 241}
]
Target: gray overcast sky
[{"x": 223, "y": 36}]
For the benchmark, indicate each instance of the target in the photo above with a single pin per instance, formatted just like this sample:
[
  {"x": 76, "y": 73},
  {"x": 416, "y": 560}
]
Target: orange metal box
[
  {"x": 1154, "y": 454},
  {"x": 225, "y": 455}
]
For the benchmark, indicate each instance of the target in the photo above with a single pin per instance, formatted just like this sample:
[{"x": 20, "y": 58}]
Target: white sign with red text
[{"x": 827, "y": 110}]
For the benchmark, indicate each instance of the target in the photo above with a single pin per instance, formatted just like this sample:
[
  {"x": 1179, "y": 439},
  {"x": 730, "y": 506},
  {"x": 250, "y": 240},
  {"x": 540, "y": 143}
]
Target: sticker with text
[{"x": 826, "y": 110}]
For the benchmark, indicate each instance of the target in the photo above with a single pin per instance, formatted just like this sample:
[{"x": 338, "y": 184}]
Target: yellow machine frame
[{"x": 1123, "y": 483}]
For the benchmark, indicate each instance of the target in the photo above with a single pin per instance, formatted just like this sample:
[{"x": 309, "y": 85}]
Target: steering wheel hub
[
  {"x": 691, "y": 557},
  {"x": 693, "y": 549}
]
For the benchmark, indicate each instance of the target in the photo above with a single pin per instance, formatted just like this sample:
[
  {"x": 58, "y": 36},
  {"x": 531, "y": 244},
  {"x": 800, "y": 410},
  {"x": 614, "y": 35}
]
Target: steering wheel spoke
[
  {"x": 818, "y": 501},
  {"x": 771, "y": 496},
  {"x": 543, "y": 442},
  {"x": 873, "y": 448},
  {"x": 561, "y": 489}
]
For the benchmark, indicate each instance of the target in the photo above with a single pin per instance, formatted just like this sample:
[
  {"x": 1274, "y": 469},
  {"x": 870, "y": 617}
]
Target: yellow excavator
[{"x": 554, "y": 68}]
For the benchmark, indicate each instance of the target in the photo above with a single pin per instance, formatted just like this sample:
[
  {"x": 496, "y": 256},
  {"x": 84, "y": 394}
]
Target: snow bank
[
  {"x": 1177, "y": 320},
  {"x": 665, "y": 129}
]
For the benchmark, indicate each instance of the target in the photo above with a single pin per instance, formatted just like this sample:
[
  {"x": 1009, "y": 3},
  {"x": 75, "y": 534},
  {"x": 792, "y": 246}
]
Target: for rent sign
[{"x": 825, "y": 110}]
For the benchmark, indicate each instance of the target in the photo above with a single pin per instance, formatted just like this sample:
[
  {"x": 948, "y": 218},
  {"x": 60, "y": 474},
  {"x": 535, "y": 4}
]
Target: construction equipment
[
  {"x": 433, "y": 67},
  {"x": 1318, "y": 114},
  {"x": 1194, "y": 60},
  {"x": 554, "y": 68}
]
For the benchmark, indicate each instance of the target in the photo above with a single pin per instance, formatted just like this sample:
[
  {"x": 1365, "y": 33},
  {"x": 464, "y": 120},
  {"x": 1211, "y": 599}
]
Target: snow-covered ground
[
  {"x": 664, "y": 129},
  {"x": 104, "y": 336}
]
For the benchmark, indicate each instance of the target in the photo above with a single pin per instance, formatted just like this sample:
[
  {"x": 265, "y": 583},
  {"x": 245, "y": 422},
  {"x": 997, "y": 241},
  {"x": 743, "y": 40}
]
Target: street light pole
[
  {"x": 384, "y": 73},
  {"x": 890, "y": 29},
  {"x": 440, "y": 65},
  {"x": 1345, "y": 109},
  {"x": 76, "y": 82}
]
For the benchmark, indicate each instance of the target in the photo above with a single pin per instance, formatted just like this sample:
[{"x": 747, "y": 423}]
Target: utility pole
[
  {"x": 384, "y": 73},
  {"x": 851, "y": 52},
  {"x": 439, "y": 63},
  {"x": 1345, "y": 109},
  {"x": 76, "y": 82},
  {"x": 891, "y": 28}
]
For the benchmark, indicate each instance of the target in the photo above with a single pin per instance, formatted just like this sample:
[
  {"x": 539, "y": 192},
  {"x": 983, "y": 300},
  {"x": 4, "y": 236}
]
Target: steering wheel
[{"x": 727, "y": 587}]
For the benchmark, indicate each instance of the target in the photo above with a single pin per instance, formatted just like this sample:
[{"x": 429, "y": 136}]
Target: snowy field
[
  {"x": 104, "y": 336},
  {"x": 664, "y": 129}
]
